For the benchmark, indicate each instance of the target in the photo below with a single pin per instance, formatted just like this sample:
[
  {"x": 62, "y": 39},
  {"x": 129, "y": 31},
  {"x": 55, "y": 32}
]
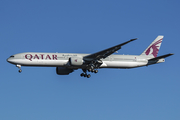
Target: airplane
[{"x": 66, "y": 63}]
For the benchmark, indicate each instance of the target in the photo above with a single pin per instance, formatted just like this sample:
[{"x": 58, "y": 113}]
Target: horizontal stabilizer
[{"x": 163, "y": 56}]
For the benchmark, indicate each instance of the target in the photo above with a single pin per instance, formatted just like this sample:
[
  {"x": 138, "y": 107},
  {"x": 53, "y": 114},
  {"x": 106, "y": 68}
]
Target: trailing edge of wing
[
  {"x": 106, "y": 52},
  {"x": 163, "y": 56}
]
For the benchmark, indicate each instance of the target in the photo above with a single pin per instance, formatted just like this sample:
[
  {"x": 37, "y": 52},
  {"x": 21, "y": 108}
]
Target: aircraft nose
[{"x": 8, "y": 60}]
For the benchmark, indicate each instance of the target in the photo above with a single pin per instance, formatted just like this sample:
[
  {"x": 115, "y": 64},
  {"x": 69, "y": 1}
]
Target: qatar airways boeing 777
[{"x": 66, "y": 63}]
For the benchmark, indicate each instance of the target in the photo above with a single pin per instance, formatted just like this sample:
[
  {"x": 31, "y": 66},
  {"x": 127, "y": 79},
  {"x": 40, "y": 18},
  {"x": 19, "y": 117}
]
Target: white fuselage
[{"x": 62, "y": 59}]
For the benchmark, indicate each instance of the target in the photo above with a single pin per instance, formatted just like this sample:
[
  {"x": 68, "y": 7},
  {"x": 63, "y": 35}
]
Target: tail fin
[{"x": 153, "y": 49}]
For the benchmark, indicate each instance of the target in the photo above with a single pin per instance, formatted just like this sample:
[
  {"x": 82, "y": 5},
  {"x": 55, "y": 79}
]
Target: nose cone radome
[
  {"x": 7, "y": 60},
  {"x": 10, "y": 60}
]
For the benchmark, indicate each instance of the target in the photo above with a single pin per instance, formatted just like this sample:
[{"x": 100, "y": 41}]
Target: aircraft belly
[{"x": 122, "y": 64}]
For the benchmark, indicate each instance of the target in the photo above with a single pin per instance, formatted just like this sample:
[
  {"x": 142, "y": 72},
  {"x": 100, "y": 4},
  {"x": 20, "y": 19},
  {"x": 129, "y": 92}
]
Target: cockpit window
[{"x": 12, "y": 56}]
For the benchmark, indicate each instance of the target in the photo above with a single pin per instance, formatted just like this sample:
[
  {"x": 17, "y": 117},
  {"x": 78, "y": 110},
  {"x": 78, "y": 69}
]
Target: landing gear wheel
[
  {"x": 85, "y": 75},
  {"x": 88, "y": 76},
  {"x": 82, "y": 74},
  {"x": 95, "y": 71},
  {"x": 20, "y": 71},
  {"x": 89, "y": 70}
]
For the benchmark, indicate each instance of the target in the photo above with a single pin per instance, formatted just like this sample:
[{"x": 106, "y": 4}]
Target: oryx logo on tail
[{"x": 154, "y": 47}]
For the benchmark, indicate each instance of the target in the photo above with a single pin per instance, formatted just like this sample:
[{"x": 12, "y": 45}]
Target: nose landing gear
[{"x": 19, "y": 66}]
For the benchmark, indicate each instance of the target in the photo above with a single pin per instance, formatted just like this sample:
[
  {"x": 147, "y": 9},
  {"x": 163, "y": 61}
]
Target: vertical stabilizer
[{"x": 153, "y": 49}]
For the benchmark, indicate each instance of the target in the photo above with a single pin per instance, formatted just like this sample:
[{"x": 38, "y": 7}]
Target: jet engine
[
  {"x": 76, "y": 61},
  {"x": 63, "y": 71}
]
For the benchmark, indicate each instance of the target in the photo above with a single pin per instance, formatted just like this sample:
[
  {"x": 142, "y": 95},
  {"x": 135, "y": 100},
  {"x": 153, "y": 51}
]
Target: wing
[{"x": 105, "y": 53}]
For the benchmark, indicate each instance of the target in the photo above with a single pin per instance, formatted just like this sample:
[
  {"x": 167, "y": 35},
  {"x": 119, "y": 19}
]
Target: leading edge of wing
[{"x": 105, "y": 53}]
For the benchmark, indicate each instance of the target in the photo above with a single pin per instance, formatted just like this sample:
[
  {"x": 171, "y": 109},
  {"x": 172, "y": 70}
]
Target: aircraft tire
[
  {"x": 85, "y": 75},
  {"x": 20, "y": 71},
  {"x": 95, "y": 71},
  {"x": 92, "y": 70},
  {"x": 82, "y": 74},
  {"x": 88, "y": 76},
  {"x": 89, "y": 70}
]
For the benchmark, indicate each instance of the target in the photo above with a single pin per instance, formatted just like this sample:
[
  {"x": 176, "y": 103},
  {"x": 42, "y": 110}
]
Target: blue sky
[{"x": 80, "y": 26}]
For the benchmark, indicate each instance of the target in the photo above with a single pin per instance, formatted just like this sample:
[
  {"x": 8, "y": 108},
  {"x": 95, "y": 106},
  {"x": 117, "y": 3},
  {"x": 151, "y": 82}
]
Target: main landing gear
[
  {"x": 92, "y": 70},
  {"x": 19, "y": 66},
  {"x": 88, "y": 75},
  {"x": 85, "y": 75}
]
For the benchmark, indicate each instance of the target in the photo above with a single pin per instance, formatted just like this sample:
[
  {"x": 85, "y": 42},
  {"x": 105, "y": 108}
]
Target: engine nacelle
[
  {"x": 76, "y": 61},
  {"x": 63, "y": 71}
]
